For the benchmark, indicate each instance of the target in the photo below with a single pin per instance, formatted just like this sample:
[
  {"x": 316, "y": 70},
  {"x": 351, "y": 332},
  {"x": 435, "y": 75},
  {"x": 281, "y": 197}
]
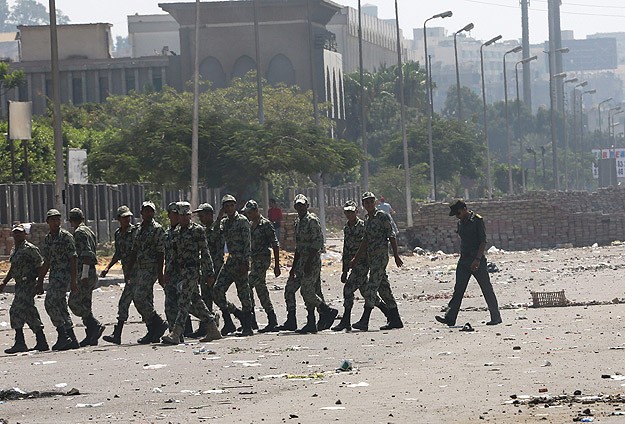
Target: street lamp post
[
  {"x": 428, "y": 78},
  {"x": 518, "y": 110},
  {"x": 552, "y": 100},
  {"x": 542, "y": 151},
  {"x": 508, "y": 141},
  {"x": 565, "y": 135},
  {"x": 576, "y": 143},
  {"x": 609, "y": 99},
  {"x": 468, "y": 27},
  {"x": 581, "y": 123},
  {"x": 489, "y": 181}
]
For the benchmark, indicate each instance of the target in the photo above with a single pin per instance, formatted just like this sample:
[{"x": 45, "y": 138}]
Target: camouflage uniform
[
  {"x": 25, "y": 262},
  {"x": 263, "y": 237},
  {"x": 189, "y": 255},
  {"x": 80, "y": 300},
  {"x": 236, "y": 233},
  {"x": 378, "y": 231},
  {"x": 171, "y": 294},
  {"x": 352, "y": 236},
  {"x": 123, "y": 248},
  {"x": 57, "y": 250},
  {"x": 215, "y": 242},
  {"x": 147, "y": 244},
  {"x": 308, "y": 237}
]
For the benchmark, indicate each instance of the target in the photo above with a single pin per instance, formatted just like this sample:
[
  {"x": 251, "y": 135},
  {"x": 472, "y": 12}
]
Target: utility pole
[
  {"x": 525, "y": 42},
  {"x": 59, "y": 168}
]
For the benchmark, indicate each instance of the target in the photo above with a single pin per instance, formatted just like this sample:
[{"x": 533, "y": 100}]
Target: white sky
[{"x": 491, "y": 17}]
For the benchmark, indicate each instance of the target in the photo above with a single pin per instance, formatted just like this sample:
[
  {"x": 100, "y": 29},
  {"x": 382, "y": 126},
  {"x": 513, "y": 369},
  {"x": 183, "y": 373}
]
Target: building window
[
  {"x": 104, "y": 88},
  {"x": 157, "y": 79},
  {"x": 130, "y": 80},
  {"x": 77, "y": 91}
]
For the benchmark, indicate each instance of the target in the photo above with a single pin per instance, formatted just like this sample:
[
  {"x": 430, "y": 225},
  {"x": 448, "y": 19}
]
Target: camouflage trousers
[
  {"x": 23, "y": 309},
  {"x": 79, "y": 301},
  {"x": 128, "y": 296},
  {"x": 188, "y": 298},
  {"x": 378, "y": 281},
  {"x": 171, "y": 303},
  {"x": 357, "y": 279},
  {"x": 258, "y": 281},
  {"x": 142, "y": 290},
  {"x": 207, "y": 294},
  {"x": 309, "y": 283},
  {"x": 231, "y": 273},
  {"x": 56, "y": 304}
]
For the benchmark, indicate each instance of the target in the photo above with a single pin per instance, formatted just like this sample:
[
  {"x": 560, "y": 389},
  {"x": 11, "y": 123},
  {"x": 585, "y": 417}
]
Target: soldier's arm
[
  {"x": 5, "y": 280},
  {"x": 208, "y": 268},
  {"x": 359, "y": 254},
  {"x": 72, "y": 270}
]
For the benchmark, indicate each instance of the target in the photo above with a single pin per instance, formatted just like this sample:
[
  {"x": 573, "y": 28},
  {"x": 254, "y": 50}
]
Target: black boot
[
  {"x": 20, "y": 343},
  {"x": 291, "y": 322},
  {"x": 394, "y": 322},
  {"x": 228, "y": 327},
  {"x": 385, "y": 310},
  {"x": 159, "y": 327},
  {"x": 64, "y": 341},
  {"x": 42, "y": 343},
  {"x": 201, "y": 331},
  {"x": 311, "y": 325},
  {"x": 253, "y": 322},
  {"x": 188, "y": 327},
  {"x": 345, "y": 323},
  {"x": 327, "y": 316},
  {"x": 72, "y": 336},
  {"x": 272, "y": 325},
  {"x": 363, "y": 322},
  {"x": 116, "y": 337},
  {"x": 147, "y": 339},
  {"x": 246, "y": 325},
  {"x": 94, "y": 330}
]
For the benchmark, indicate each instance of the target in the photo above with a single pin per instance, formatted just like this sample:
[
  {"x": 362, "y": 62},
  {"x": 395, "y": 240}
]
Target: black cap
[{"x": 455, "y": 206}]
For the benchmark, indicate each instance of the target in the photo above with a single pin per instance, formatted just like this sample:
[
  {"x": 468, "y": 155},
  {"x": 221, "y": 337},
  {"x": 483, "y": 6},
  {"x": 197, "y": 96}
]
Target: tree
[
  {"x": 9, "y": 80},
  {"x": 5, "y": 25},
  {"x": 31, "y": 12}
]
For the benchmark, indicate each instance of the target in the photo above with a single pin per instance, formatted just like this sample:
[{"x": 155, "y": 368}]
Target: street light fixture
[
  {"x": 468, "y": 27},
  {"x": 518, "y": 109},
  {"x": 581, "y": 123},
  {"x": 609, "y": 99},
  {"x": 489, "y": 181},
  {"x": 554, "y": 143},
  {"x": 576, "y": 143},
  {"x": 428, "y": 78},
  {"x": 565, "y": 135},
  {"x": 508, "y": 141}
]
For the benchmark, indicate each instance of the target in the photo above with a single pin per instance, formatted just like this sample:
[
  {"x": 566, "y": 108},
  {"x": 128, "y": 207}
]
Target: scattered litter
[
  {"x": 271, "y": 376},
  {"x": 305, "y": 376},
  {"x": 170, "y": 400},
  {"x": 154, "y": 366},
  {"x": 346, "y": 365},
  {"x": 43, "y": 362},
  {"x": 467, "y": 327},
  {"x": 204, "y": 350},
  {"x": 361, "y": 384},
  {"x": 252, "y": 363},
  {"x": 60, "y": 385},
  {"x": 88, "y": 405},
  {"x": 492, "y": 267},
  {"x": 443, "y": 354},
  {"x": 157, "y": 390},
  {"x": 215, "y": 391},
  {"x": 546, "y": 364},
  {"x": 493, "y": 249},
  {"x": 332, "y": 408}
]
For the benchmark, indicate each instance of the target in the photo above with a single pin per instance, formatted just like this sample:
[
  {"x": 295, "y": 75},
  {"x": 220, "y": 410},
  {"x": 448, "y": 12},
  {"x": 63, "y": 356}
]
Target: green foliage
[
  {"x": 31, "y": 12},
  {"x": 10, "y": 79}
]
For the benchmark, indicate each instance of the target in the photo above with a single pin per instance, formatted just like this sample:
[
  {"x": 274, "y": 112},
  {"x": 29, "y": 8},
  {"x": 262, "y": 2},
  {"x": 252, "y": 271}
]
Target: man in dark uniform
[{"x": 472, "y": 262}]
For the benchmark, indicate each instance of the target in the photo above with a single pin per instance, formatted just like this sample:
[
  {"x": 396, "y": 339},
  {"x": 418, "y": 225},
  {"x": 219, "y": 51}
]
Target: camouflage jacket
[
  {"x": 215, "y": 241},
  {"x": 85, "y": 247},
  {"x": 149, "y": 241},
  {"x": 352, "y": 237},
  {"x": 123, "y": 246},
  {"x": 263, "y": 237},
  {"x": 57, "y": 250},
  {"x": 308, "y": 234},
  {"x": 236, "y": 233},
  {"x": 25, "y": 262},
  {"x": 378, "y": 231},
  {"x": 189, "y": 250}
]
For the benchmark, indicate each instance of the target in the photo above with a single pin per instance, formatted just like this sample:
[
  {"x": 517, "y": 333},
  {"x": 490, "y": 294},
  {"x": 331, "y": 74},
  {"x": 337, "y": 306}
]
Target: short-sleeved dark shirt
[
  {"x": 472, "y": 233},
  {"x": 263, "y": 237}
]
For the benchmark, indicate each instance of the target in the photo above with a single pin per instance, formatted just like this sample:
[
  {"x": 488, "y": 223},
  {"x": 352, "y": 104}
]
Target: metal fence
[{"x": 333, "y": 196}]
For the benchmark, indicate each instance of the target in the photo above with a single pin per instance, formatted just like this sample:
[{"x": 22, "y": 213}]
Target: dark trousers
[{"x": 463, "y": 274}]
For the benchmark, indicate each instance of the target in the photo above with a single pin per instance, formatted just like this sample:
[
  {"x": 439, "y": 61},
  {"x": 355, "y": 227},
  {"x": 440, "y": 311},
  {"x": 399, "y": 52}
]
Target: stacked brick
[{"x": 534, "y": 220}]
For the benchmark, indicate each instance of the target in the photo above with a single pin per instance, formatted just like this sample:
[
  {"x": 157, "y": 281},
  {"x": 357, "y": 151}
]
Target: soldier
[
  {"x": 215, "y": 241},
  {"x": 25, "y": 266},
  {"x": 80, "y": 300},
  {"x": 263, "y": 240},
  {"x": 146, "y": 265},
  {"x": 353, "y": 232},
  {"x": 236, "y": 232},
  {"x": 59, "y": 255},
  {"x": 472, "y": 262},
  {"x": 124, "y": 237},
  {"x": 189, "y": 256},
  {"x": 378, "y": 233},
  {"x": 306, "y": 272}
]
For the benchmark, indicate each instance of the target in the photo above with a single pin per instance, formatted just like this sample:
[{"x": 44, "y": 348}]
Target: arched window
[
  {"x": 211, "y": 70},
  {"x": 242, "y": 66},
  {"x": 281, "y": 70}
]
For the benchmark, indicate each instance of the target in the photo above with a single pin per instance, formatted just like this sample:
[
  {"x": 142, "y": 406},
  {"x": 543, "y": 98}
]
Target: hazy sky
[{"x": 491, "y": 17}]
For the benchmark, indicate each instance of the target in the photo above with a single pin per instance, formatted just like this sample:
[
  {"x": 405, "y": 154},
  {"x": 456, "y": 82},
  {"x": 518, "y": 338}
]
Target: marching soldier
[
  {"x": 263, "y": 240},
  {"x": 189, "y": 255},
  {"x": 124, "y": 237},
  {"x": 236, "y": 232},
  {"x": 59, "y": 255},
  {"x": 25, "y": 266}
]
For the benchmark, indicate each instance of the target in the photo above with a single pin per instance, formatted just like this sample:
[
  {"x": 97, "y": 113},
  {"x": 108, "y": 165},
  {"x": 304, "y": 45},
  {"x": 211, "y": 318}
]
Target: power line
[{"x": 545, "y": 10}]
